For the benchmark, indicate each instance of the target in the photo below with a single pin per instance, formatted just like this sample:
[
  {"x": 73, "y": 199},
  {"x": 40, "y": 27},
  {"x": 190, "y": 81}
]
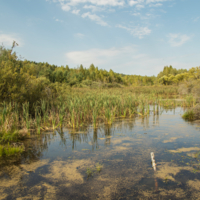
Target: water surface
[{"x": 54, "y": 164}]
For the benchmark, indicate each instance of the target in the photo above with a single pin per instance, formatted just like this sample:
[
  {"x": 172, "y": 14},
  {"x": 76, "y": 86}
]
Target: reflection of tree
[
  {"x": 35, "y": 146},
  {"x": 62, "y": 137},
  {"x": 76, "y": 136},
  {"x": 131, "y": 124},
  {"x": 95, "y": 139}
]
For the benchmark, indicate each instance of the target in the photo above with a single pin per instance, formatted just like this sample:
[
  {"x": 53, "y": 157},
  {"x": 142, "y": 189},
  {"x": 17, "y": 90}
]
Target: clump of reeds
[
  {"x": 38, "y": 120},
  {"x": 192, "y": 114}
]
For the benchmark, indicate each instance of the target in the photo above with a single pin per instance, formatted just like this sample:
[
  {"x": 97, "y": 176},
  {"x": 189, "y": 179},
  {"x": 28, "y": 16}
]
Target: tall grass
[{"x": 81, "y": 107}]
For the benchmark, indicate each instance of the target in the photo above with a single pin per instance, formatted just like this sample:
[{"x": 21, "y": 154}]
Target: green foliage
[
  {"x": 99, "y": 167},
  {"x": 189, "y": 115},
  {"x": 89, "y": 172},
  {"x": 193, "y": 113},
  {"x": 9, "y": 150}
]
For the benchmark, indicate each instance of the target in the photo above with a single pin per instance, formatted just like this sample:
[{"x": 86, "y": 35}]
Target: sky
[{"x": 128, "y": 36}]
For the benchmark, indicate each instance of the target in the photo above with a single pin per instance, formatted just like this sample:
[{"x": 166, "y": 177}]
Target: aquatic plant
[
  {"x": 99, "y": 167},
  {"x": 89, "y": 172},
  {"x": 8, "y": 150},
  {"x": 192, "y": 114}
]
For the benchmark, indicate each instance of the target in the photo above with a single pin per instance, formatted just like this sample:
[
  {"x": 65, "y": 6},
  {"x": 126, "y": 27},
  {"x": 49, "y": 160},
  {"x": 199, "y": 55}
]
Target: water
[{"x": 54, "y": 165}]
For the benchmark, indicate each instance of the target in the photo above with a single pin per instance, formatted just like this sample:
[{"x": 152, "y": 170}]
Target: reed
[
  {"x": 94, "y": 117},
  {"x": 38, "y": 119},
  {"x": 81, "y": 107},
  {"x": 53, "y": 119},
  {"x": 26, "y": 118}
]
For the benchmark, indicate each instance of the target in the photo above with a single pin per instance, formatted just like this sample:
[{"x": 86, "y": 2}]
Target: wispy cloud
[
  {"x": 79, "y": 6},
  {"x": 176, "y": 40},
  {"x": 76, "y": 12},
  {"x": 58, "y": 20},
  {"x": 126, "y": 60},
  {"x": 156, "y": 5},
  {"x": 155, "y": 1},
  {"x": 94, "y": 8},
  {"x": 102, "y": 57},
  {"x": 79, "y": 35},
  {"x": 196, "y": 19},
  {"x": 95, "y": 18},
  {"x": 7, "y": 40},
  {"x": 135, "y": 2},
  {"x": 139, "y": 32},
  {"x": 67, "y": 4},
  {"x": 142, "y": 3}
]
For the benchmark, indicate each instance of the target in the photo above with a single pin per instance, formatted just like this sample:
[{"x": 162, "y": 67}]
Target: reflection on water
[{"x": 54, "y": 164}]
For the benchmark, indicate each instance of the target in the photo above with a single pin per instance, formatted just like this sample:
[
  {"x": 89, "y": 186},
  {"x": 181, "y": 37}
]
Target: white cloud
[
  {"x": 76, "y": 12},
  {"x": 141, "y": 3},
  {"x": 65, "y": 7},
  {"x": 139, "y": 6},
  {"x": 155, "y": 1},
  {"x": 102, "y": 57},
  {"x": 136, "y": 14},
  {"x": 135, "y": 2},
  {"x": 156, "y": 5},
  {"x": 176, "y": 40},
  {"x": 58, "y": 20},
  {"x": 94, "y": 8},
  {"x": 126, "y": 60},
  {"x": 95, "y": 18},
  {"x": 94, "y": 2},
  {"x": 137, "y": 31},
  {"x": 7, "y": 40},
  {"x": 79, "y": 35}
]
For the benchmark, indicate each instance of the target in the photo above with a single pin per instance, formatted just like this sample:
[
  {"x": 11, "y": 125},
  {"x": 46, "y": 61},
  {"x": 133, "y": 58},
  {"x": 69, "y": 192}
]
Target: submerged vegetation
[
  {"x": 37, "y": 97},
  {"x": 91, "y": 171}
]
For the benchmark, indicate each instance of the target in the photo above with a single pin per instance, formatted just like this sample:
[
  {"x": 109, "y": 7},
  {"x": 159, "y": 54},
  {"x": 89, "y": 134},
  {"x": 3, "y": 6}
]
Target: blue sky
[{"x": 128, "y": 36}]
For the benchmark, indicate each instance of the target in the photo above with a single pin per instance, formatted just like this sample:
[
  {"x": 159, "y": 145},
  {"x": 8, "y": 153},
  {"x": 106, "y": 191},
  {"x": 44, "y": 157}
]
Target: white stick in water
[{"x": 153, "y": 161}]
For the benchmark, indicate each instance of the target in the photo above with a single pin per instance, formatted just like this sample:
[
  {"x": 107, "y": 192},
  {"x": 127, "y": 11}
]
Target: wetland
[
  {"x": 87, "y": 133},
  {"x": 111, "y": 161}
]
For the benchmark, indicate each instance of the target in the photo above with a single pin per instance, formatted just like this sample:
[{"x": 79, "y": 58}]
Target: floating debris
[{"x": 153, "y": 161}]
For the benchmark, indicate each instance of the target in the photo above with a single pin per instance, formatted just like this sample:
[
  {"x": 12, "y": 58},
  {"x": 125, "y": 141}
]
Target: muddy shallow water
[{"x": 54, "y": 164}]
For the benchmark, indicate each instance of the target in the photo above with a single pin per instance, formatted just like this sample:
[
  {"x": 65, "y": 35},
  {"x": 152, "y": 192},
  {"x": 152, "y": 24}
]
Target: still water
[{"x": 116, "y": 159}]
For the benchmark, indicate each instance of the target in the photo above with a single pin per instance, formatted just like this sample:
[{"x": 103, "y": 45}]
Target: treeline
[
  {"x": 170, "y": 75},
  {"x": 22, "y": 81}
]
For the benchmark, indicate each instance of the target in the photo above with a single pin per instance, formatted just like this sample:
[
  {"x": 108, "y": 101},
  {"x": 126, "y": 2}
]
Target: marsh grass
[
  {"x": 9, "y": 150},
  {"x": 82, "y": 107}
]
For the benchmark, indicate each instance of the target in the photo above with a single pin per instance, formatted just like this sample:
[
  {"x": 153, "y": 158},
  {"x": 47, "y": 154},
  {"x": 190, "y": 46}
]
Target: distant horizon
[{"x": 131, "y": 37}]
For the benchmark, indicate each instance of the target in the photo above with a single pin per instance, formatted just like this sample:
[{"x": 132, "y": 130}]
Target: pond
[{"x": 110, "y": 162}]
